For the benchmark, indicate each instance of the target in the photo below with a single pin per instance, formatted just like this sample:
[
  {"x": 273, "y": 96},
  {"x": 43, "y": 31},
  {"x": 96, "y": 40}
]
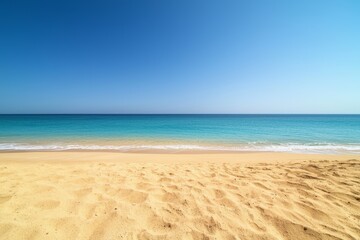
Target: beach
[
  {"x": 180, "y": 120},
  {"x": 111, "y": 195}
]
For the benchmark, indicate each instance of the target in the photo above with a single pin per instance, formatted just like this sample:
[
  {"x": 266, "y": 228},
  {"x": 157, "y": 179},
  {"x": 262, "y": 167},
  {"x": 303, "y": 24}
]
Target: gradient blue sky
[{"x": 166, "y": 56}]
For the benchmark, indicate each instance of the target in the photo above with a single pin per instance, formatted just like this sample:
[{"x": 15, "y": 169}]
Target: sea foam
[{"x": 251, "y": 147}]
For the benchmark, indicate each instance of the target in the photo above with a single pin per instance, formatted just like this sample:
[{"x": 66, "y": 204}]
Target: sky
[{"x": 188, "y": 56}]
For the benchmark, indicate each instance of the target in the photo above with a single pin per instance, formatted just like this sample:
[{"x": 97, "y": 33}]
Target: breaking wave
[{"x": 249, "y": 147}]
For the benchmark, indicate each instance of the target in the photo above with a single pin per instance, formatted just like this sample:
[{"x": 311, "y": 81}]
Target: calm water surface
[{"x": 279, "y": 133}]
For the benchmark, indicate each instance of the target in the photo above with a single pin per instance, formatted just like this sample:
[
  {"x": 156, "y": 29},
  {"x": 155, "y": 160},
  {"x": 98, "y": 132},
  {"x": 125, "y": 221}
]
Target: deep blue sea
[{"x": 277, "y": 133}]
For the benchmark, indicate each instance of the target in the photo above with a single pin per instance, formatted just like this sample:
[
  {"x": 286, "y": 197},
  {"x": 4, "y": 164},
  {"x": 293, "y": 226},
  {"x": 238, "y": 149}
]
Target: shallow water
[{"x": 279, "y": 133}]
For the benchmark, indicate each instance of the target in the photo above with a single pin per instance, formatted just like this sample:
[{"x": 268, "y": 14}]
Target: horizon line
[{"x": 179, "y": 113}]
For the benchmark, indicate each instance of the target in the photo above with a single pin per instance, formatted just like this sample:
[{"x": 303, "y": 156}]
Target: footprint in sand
[
  {"x": 133, "y": 196},
  {"x": 219, "y": 193},
  {"x": 48, "y": 204},
  {"x": 83, "y": 192},
  {"x": 4, "y": 198}
]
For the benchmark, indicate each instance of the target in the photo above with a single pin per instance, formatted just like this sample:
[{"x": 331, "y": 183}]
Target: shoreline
[
  {"x": 166, "y": 157},
  {"x": 158, "y": 146}
]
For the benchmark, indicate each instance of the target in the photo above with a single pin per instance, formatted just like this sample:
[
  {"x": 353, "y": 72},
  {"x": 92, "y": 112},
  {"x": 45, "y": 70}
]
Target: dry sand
[{"x": 178, "y": 196}]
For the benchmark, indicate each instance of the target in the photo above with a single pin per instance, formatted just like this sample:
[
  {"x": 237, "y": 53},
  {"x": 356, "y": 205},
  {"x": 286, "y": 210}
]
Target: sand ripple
[{"x": 110, "y": 200}]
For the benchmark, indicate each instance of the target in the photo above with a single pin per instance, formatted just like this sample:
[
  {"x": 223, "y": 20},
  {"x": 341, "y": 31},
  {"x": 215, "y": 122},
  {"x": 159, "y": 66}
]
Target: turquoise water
[{"x": 279, "y": 133}]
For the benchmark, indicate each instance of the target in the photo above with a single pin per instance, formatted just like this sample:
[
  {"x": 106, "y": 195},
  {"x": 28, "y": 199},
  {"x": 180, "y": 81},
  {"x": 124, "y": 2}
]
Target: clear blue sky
[{"x": 164, "y": 56}]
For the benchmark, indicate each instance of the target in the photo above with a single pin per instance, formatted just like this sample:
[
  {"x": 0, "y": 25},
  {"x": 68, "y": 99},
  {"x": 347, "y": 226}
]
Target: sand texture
[{"x": 169, "y": 196}]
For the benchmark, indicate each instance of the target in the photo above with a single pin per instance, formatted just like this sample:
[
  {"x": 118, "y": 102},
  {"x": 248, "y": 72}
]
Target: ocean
[{"x": 182, "y": 133}]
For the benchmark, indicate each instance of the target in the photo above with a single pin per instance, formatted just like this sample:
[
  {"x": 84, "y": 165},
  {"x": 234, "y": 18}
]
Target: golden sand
[{"x": 84, "y": 195}]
